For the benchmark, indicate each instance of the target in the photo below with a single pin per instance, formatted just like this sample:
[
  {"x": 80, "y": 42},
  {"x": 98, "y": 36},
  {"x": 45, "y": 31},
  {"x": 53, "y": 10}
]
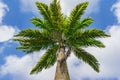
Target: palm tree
[{"x": 60, "y": 35}]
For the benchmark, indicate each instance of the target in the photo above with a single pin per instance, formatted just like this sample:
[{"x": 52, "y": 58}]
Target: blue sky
[{"x": 15, "y": 16}]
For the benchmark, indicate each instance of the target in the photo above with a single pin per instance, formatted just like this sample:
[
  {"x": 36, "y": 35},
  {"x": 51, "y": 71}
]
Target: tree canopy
[{"x": 55, "y": 28}]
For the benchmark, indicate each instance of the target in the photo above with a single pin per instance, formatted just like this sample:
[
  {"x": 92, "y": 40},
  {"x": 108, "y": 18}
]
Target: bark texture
[{"x": 61, "y": 69}]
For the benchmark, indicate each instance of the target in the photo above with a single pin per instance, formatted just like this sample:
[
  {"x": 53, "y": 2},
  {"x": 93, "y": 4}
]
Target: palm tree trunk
[{"x": 61, "y": 69}]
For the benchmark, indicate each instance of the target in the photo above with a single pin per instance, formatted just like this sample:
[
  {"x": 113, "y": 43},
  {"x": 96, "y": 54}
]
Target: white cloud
[
  {"x": 6, "y": 44},
  {"x": 6, "y": 33},
  {"x": 20, "y": 68},
  {"x": 116, "y": 9},
  {"x": 67, "y": 5},
  {"x": 3, "y": 9},
  {"x": 29, "y": 5}
]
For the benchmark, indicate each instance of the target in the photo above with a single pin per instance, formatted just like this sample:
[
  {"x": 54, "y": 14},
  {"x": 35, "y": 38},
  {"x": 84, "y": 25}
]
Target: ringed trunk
[{"x": 61, "y": 68}]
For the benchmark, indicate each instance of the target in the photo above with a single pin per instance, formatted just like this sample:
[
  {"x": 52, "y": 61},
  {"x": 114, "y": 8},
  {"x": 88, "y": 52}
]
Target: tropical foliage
[{"x": 55, "y": 28}]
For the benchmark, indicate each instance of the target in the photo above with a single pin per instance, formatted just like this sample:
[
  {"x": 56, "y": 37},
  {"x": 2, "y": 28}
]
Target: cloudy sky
[{"x": 16, "y": 65}]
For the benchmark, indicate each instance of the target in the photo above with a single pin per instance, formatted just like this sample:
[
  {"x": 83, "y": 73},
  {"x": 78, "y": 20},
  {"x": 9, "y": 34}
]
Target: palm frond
[
  {"x": 31, "y": 45},
  {"x": 86, "y": 38},
  {"x": 87, "y": 57},
  {"x": 91, "y": 42},
  {"x": 56, "y": 14},
  {"x": 33, "y": 40},
  {"x": 92, "y": 33},
  {"x": 82, "y": 24},
  {"x": 31, "y": 33},
  {"x": 40, "y": 23},
  {"x": 76, "y": 13},
  {"x": 29, "y": 49},
  {"x": 87, "y": 42},
  {"x": 95, "y": 33},
  {"x": 46, "y": 61},
  {"x": 85, "y": 22},
  {"x": 44, "y": 10}
]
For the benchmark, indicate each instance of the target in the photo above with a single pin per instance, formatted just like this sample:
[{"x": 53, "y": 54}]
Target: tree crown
[{"x": 56, "y": 28}]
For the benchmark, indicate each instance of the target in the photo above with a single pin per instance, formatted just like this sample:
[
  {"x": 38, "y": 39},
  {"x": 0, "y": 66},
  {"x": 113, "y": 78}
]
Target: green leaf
[
  {"x": 44, "y": 10},
  {"x": 40, "y": 23},
  {"x": 37, "y": 21},
  {"x": 92, "y": 33},
  {"x": 95, "y": 33},
  {"x": 83, "y": 23},
  {"x": 31, "y": 45},
  {"x": 56, "y": 15},
  {"x": 86, "y": 43},
  {"x": 46, "y": 61},
  {"x": 33, "y": 40},
  {"x": 76, "y": 13},
  {"x": 87, "y": 57},
  {"x": 85, "y": 38},
  {"x": 31, "y": 33},
  {"x": 91, "y": 42},
  {"x": 28, "y": 33}
]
